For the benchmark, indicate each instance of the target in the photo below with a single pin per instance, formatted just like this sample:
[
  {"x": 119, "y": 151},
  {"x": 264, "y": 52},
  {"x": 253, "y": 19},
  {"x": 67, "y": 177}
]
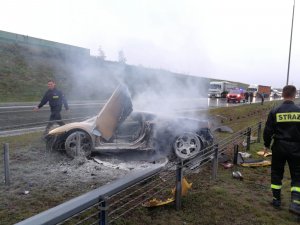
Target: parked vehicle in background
[
  {"x": 236, "y": 95},
  {"x": 261, "y": 89},
  {"x": 219, "y": 89},
  {"x": 253, "y": 88},
  {"x": 275, "y": 93}
]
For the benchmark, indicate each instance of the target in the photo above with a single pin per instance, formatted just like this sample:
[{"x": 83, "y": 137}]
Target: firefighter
[
  {"x": 56, "y": 99},
  {"x": 283, "y": 126}
]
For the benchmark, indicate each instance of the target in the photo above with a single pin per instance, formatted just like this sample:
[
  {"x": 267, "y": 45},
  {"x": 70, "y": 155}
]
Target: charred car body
[{"x": 118, "y": 127}]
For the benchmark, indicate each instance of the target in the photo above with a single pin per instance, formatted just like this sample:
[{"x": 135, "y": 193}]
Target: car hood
[{"x": 87, "y": 126}]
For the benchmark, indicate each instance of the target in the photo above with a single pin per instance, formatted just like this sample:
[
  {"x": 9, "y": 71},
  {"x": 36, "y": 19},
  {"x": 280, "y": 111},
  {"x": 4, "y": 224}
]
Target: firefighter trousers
[{"x": 282, "y": 152}]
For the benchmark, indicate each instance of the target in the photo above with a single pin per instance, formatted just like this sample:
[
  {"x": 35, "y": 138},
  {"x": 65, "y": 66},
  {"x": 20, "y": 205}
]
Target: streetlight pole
[{"x": 291, "y": 38}]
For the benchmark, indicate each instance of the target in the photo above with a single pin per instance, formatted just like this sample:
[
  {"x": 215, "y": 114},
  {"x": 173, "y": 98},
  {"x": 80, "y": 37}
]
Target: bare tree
[
  {"x": 122, "y": 58},
  {"x": 101, "y": 54}
]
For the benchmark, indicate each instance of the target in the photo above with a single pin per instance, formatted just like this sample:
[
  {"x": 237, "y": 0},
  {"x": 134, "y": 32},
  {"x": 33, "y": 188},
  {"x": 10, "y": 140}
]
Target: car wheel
[
  {"x": 187, "y": 145},
  {"x": 71, "y": 143}
]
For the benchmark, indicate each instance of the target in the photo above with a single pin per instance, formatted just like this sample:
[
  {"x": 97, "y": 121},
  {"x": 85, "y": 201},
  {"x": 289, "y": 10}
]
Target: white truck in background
[
  {"x": 253, "y": 88},
  {"x": 219, "y": 89},
  {"x": 275, "y": 93}
]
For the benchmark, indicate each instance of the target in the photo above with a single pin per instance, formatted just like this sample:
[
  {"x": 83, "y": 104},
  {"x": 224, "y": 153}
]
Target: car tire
[
  {"x": 187, "y": 145},
  {"x": 71, "y": 144}
]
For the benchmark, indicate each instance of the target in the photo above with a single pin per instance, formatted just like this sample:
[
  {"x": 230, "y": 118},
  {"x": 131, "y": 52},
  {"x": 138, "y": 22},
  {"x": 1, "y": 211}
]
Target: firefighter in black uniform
[
  {"x": 283, "y": 126},
  {"x": 56, "y": 99}
]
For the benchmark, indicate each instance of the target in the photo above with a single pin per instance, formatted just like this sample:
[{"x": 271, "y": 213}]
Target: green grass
[
  {"x": 226, "y": 200},
  {"x": 221, "y": 201}
]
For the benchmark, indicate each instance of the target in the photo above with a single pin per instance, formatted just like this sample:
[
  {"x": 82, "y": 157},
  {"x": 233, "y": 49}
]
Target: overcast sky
[{"x": 240, "y": 40}]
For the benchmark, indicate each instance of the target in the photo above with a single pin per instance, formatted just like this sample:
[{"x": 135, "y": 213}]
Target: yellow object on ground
[
  {"x": 157, "y": 202},
  {"x": 256, "y": 164},
  {"x": 264, "y": 154},
  {"x": 185, "y": 187}
]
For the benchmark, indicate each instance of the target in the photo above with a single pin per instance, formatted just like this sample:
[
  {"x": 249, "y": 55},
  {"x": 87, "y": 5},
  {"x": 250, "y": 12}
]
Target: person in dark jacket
[
  {"x": 283, "y": 127},
  {"x": 56, "y": 99},
  {"x": 262, "y": 96},
  {"x": 251, "y": 96},
  {"x": 246, "y": 96}
]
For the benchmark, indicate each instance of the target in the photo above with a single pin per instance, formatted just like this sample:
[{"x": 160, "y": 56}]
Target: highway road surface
[{"x": 19, "y": 117}]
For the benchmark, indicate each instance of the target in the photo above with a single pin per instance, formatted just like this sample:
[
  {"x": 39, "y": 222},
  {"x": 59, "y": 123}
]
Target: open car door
[{"x": 114, "y": 112}]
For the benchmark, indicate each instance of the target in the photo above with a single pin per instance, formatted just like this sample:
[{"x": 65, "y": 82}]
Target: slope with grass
[{"x": 25, "y": 70}]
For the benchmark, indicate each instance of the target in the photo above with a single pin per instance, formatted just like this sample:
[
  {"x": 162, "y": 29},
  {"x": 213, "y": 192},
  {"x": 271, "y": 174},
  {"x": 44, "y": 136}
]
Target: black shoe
[
  {"x": 276, "y": 204},
  {"x": 295, "y": 208}
]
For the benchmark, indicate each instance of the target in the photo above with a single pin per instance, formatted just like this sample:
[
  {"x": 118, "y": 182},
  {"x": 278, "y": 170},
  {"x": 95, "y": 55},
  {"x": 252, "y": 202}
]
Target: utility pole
[{"x": 291, "y": 38}]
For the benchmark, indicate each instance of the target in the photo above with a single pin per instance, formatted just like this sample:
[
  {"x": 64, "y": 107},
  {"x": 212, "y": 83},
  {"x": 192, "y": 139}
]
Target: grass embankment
[
  {"x": 25, "y": 70},
  {"x": 221, "y": 201}
]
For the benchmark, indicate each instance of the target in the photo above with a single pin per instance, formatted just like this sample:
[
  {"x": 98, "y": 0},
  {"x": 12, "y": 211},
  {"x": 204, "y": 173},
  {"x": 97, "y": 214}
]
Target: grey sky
[{"x": 239, "y": 40}]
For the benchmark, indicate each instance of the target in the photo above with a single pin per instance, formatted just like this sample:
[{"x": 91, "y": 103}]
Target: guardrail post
[
  {"x": 248, "y": 138},
  {"x": 178, "y": 191},
  {"x": 259, "y": 132},
  {"x": 78, "y": 142},
  {"x": 215, "y": 162},
  {"x": 235, "y": 154},
  {"x": 103, "y": 214},
  {"x": 6, "y": 164}
]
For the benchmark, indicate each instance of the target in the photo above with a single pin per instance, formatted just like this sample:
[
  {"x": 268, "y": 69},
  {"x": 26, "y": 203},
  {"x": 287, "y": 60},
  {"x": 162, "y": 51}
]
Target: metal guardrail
[
  {"x": 96, "y": 197},
  {"x": 111, "y": 202}
]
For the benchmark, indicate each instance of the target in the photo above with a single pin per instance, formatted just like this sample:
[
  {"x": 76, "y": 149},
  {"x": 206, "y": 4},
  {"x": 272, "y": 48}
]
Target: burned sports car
[{"x": 118, "y": 127}]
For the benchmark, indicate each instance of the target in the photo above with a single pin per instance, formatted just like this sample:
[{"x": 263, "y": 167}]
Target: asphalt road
[{"x": 20, "y": 117}]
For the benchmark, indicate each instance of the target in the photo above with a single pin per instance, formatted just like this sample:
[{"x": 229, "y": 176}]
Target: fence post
[
  {"x": 259, "y": 132},
  {"x": 103, "y": 214},
  {"x": 6, "y": 164},
  {"x": 178, "y": 191},
  {"x": 235, "y": 154},
  {"x": 215, "y": 162},
  {"x": 78, "y": 142},
  {"x": 248, "y": 138}
]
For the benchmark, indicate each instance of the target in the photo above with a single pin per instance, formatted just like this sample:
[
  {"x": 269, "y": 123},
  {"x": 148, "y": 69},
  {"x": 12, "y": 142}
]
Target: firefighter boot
[
  {"x": 295, "y": 203},
  {"x": 276, "y": 203}
]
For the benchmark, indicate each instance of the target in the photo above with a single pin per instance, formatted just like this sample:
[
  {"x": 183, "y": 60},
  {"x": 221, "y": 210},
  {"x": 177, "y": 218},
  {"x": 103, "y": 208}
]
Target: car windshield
[
  {"x": 215, "y": 86},
  {"x": 235, "y": 92},
  {"x": 252, "y": 89}
]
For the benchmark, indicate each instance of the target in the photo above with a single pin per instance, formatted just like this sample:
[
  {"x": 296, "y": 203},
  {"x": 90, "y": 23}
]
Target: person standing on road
[
  {"x": 56, "y": 99},
  {"x": 251, "y": 96},
  {"x": 262, "y": 96},
  {"x": 283, "y": 126},
  {"x": 247, "y": 96}
]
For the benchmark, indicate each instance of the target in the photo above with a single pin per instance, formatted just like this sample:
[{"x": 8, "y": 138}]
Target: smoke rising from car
[
  {"x": 152, "y": 90},
  {"x": 156, "y": 91}
]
